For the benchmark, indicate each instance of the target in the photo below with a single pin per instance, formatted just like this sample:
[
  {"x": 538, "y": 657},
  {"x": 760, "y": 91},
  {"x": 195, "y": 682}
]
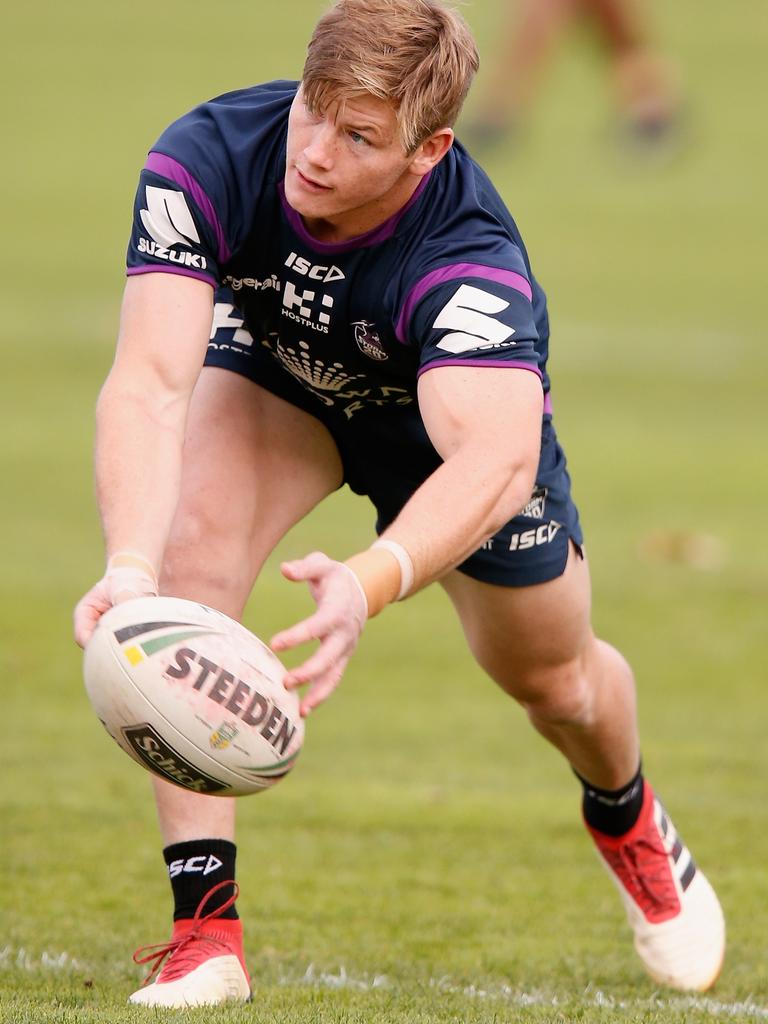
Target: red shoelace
[
  {"x": 643, "y": 867},
  {"x": 157, "y": 953}
]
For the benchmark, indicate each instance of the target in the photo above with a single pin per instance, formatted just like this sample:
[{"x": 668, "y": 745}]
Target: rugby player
[{"x": 324, "y": 288}]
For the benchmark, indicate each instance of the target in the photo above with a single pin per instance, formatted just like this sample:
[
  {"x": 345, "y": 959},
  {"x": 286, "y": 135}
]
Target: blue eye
[{"x": 357, "y": 137}]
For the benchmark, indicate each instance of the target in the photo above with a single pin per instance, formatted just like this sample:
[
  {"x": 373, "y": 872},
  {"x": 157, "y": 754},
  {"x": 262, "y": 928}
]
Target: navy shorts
[
  {"x": 388, "y": 457},
  {"x": 532, "y": 547}
]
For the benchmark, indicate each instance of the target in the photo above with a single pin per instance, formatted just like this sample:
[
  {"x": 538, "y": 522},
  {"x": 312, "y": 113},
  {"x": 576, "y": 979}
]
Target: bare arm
[
  {"x": 142, "y": 409},
  {"x": 486, "y": 425},
  {"x": 141, "y": 416}
]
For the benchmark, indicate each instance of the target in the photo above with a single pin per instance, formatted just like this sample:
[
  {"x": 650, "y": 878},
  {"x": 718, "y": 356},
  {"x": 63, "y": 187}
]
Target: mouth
[{"x": 310, "y": 184}]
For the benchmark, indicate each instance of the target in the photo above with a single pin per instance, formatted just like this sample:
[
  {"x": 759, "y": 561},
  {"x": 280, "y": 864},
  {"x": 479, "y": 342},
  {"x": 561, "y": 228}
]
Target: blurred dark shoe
[{"x": 654, "y": 137}]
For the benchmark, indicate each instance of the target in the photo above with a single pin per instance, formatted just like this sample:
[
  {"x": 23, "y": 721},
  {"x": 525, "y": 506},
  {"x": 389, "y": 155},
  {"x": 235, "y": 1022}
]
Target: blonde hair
[{"x": 419, "y": 55}]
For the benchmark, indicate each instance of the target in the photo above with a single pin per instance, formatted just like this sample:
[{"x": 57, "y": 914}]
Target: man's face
[{"x": 346, "y": 166}]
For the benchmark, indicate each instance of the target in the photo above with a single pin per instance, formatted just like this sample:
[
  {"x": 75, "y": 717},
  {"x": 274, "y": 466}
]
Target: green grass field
[{"x": 425, "y": 862}]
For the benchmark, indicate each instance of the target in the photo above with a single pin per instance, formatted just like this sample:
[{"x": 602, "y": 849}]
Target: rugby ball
[{"x": 193, "y": 696}]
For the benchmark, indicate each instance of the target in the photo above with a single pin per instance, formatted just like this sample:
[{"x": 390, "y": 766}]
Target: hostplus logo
[
  {"x": 300, "y": 306},
  {"x": 307, "y": 306}
]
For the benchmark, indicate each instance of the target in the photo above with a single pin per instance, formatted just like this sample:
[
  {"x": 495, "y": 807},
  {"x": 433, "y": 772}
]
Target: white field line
[
  {"x": 45, "y": 961},
  {"x": 21, "y": 959},
  {"x": 505, "y": 993}
]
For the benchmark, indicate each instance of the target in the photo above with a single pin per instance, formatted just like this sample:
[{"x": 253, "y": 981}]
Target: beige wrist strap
[
  {"x": 132, "y": 560},
  {"x": 379, "y": 575}
]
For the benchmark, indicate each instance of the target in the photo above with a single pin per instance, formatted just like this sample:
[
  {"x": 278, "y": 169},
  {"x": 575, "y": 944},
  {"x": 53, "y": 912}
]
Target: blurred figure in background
[{"x": 645, "y": 91}]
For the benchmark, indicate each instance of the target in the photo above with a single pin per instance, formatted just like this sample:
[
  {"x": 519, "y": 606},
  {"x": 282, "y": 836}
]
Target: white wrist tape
[
  {"x": 403, "y": 560},
  {"x": 360, "y": 587},
  {"x": 131, "y": 573}
]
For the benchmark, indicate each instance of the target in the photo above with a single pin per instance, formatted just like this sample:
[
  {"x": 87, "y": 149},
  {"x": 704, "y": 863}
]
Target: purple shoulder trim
[
  {"x": 451, "y": 273},
  {"x": 169, "y": 168},
  {"x": 182, "y": 271}
]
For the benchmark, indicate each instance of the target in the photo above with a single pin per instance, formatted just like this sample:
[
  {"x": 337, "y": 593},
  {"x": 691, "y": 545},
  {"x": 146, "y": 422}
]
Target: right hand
[
  {"x": 338, "y": 620},
  {"x": 127, "y": 576}
]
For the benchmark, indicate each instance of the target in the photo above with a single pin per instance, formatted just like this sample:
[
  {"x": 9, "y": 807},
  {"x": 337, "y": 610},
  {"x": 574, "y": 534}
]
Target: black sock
[
  {"x": 194, "y": 868},
  {"x": 613, "y": 811}
]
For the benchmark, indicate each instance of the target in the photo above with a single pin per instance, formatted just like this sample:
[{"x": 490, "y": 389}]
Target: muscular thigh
[
  {"x": 526, "y": 637},
  {"x": 253, "y": 466}
]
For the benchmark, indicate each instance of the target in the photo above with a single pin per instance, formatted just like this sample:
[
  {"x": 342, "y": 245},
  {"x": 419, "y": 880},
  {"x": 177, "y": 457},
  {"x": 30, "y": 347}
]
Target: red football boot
[
  {"x": 672, "y": 908},
  {"x": 205, "y": 962}
]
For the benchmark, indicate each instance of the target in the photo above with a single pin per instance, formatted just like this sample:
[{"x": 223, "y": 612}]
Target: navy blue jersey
[
  {"x": 444, "y": 281},
  {"x": 343, "y": 331}
]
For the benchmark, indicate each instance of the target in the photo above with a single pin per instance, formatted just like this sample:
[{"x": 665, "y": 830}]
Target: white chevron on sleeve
[{"x": 167, "y": 217}]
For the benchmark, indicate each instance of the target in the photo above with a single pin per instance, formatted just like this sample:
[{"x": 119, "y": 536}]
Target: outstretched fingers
[
  {"x": 337, "y": 623},
  {"x": 322, "y": 687}
]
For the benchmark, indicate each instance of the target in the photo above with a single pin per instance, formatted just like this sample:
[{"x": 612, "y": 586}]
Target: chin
[{"x": 307, "y": 206}]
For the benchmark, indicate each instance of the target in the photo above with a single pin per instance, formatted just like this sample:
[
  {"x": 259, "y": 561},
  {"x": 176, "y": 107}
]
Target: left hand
[
  {"x": 341, "y": 613},
  {"x": 133, "y": 576}
]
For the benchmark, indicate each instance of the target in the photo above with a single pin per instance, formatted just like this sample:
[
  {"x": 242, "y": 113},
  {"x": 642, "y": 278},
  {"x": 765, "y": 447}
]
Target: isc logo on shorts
[{"x": 543, "y": 534}]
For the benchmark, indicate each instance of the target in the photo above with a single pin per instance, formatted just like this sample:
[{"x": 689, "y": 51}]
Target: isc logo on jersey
[
  {"x": 316, "y": 272},
  {"x": 168, "y": 220}
]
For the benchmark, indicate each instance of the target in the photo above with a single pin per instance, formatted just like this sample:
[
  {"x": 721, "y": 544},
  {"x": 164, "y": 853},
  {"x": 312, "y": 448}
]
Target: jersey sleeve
[
  {"x": 472, "y": 314},
  {"x": 203, "y": 180},
  {"x": 176, "y": 228}
]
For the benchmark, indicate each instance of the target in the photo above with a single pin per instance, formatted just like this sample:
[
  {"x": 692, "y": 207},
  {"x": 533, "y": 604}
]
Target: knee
[
  {"x": 207, "y": 551},
  {"x": 557, "y": 694}
]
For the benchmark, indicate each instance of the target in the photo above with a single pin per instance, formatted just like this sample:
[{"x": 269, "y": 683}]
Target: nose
[{"x": 320, "y": 147}]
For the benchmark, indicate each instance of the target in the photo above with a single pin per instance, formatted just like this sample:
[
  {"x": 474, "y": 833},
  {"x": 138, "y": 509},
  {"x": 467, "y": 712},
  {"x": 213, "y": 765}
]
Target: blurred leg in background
[
  {"x": 645, "y": 93},
  {"x": 528, "y": 36}
]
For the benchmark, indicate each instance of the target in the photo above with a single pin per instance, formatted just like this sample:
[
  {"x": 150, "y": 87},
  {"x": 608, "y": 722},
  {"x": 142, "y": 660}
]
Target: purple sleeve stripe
[
  {"x": 497, "y": 363},
  {"x": 451, "y": 273},
  {"x": 487, "y": 362},
  {"x": 169, "y": 168},
  {"x": 182, "y": 271}
]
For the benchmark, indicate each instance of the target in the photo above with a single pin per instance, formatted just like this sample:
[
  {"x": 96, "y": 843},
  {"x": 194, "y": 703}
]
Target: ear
[{"x": 431, "y": 151}]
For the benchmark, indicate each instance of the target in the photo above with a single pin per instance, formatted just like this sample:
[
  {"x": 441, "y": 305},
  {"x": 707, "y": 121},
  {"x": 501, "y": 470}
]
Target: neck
[{"x": 361, "y": 220}]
